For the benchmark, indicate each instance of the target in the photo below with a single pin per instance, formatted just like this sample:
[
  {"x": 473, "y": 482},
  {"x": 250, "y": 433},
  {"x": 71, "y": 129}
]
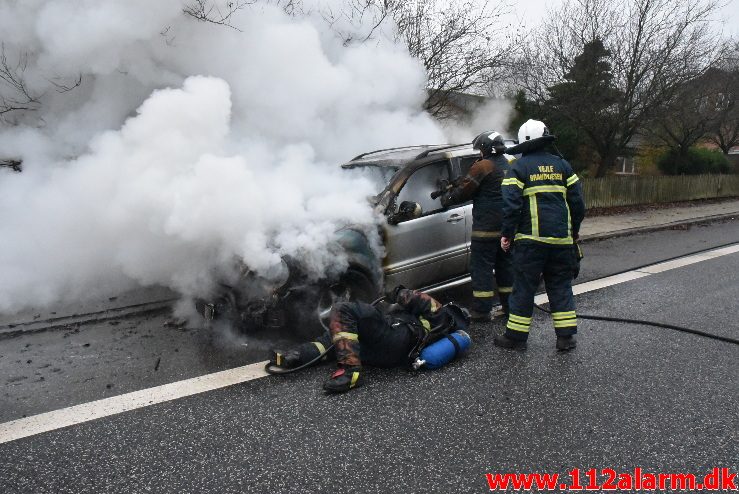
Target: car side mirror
[{"x": 408, "y": 210}]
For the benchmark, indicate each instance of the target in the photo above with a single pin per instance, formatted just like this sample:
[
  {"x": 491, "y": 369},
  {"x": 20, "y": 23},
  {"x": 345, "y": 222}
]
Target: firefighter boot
[
  {"x": 505, "y": 342},
  {"x": 566, "y": 343},
  {"x": 478, "y": 316},
  {"x": 285, "y": 359},
  {"x": 503, "y": 311},
  {"x": 343, "y": 379}
]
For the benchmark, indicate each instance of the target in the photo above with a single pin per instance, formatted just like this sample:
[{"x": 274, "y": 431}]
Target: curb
[{"x": 655, "y": 228}]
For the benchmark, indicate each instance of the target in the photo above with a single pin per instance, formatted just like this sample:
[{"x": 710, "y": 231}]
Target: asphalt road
[
  {"x": 59, "y": 368},
  {"x": 629, "y": 396}
]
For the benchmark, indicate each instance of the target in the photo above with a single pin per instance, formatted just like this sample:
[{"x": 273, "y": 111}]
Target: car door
[
  {"x": 461, "y": 167},
  {"x": 431, "y": 248}
]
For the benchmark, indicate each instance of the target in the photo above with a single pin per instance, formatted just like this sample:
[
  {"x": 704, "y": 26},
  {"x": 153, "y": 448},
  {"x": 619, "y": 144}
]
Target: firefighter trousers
[
  {"x": 487, "y": 257},
  {"x": 361, "y": 333},
  {"x": 531, "y": 262}
]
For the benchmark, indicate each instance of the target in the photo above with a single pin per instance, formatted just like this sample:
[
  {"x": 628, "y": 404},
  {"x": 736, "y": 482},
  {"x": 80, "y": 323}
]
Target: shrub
[{"x": 696, "y": 161}]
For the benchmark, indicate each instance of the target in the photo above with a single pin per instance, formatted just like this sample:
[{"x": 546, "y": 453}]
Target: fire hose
[{"x": 652, "y": 323}]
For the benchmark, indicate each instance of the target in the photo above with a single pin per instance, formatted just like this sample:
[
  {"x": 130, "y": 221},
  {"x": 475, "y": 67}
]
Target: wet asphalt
[{"x": 629, "y": 396}]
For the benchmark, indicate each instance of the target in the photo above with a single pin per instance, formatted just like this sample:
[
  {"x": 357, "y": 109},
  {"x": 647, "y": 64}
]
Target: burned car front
[{"x": 297, "y": 300}]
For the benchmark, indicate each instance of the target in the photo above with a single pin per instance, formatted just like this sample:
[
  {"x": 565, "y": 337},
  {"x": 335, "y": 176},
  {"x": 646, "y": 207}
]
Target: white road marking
[
  {"x": 685, "y": 261},
  {"x": 591, "y": 286},
  {"x": 45, "y": 422},
  {"x": 57, "y": 419}
]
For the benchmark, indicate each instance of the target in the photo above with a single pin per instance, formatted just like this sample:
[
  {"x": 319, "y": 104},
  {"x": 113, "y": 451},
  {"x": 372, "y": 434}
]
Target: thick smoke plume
[
  {"x": 495, "y": 115},
  {"x": 157, "y": 149}
]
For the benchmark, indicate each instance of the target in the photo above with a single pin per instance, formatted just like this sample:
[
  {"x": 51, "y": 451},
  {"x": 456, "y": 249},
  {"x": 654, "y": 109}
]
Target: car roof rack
[
  {"x": 448, "y": 146},
  {"x": 389, "y": 149}
]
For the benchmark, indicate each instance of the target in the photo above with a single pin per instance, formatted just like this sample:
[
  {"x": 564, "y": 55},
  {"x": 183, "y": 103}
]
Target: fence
[{"x": 628, "y": 191}]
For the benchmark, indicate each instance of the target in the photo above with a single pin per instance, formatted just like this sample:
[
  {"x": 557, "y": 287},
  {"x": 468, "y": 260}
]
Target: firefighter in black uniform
[
  {"x": 542, "y": 211},
  {"x": 363, "y": 334},
  {"x": 483, "y": 185}
]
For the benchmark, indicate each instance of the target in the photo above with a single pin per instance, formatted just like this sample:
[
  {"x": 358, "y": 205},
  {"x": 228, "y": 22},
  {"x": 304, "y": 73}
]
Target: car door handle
[{"x": 455, "y": 218}]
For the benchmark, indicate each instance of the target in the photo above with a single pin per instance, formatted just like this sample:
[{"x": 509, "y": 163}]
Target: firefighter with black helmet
[
  {"x": 482, "y": 184},
  {"x": 542, "y": 212},
  {"x": 361, "y": 333}
]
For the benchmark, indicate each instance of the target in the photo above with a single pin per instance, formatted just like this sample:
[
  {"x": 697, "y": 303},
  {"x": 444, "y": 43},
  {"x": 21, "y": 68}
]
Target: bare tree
[
  {"x": 654, "y": 48},
  {"x": 215, "y": 12},
  {"x": 462, "y": 44},
  {"x": 13, "y": 164},
  {"x": 221, "y": 12},
  {"x": 14, "y": 93},
  {"x": 725, "y": 131},
  {"x": 357, "y": 21},
  {"x": 692, "y": 114}
]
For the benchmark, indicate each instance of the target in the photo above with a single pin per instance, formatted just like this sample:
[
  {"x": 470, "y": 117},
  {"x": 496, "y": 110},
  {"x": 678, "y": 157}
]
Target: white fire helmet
[{"x": 532, "y": 129}]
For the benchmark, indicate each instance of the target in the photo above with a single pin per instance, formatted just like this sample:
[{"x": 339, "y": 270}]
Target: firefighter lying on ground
[{"x": 362, "y": 334}]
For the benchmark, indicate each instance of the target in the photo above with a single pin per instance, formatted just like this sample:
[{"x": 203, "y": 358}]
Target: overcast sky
[{"x": 536, "y": 10}]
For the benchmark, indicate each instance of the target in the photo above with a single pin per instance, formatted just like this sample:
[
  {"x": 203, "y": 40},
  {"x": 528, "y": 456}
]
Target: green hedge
[{"x": 696, "y": 161}]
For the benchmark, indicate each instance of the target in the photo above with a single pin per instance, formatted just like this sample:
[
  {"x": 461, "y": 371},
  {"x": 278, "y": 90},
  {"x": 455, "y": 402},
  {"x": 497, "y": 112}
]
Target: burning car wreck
[
  {"x": 297, "y": 299},
  {"x": 423, "y": 246}
]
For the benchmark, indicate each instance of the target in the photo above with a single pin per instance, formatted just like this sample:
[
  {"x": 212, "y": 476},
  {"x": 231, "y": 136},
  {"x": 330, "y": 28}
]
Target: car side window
[
  {"x": 465, "y": 164},
  {"x": 422, "y": 183}
]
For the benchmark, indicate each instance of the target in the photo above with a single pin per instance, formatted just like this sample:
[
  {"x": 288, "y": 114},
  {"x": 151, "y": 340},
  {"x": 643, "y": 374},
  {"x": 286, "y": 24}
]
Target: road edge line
[{"x": 86, "y": 412}]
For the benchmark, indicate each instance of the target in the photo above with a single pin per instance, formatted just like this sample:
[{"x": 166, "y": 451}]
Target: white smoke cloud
[
  {"x": 495, "y": 114},
  {"x": 232, "y": 152}
]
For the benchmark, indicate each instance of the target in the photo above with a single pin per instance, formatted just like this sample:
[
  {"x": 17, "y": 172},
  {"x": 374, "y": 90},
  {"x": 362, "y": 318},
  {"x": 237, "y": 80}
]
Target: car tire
[{"x": 311, "y": 318}]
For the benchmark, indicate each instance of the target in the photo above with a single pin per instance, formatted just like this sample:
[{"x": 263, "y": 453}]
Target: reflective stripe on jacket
[{"x": 542, "y": 200}]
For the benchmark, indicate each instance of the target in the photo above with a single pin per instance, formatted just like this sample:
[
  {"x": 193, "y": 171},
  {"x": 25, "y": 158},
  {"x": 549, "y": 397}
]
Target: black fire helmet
[{"x": 490, "y": 143}]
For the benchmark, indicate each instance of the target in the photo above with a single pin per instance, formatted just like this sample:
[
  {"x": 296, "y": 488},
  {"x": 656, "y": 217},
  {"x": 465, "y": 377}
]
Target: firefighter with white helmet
[{"x": 543, "y": 208}]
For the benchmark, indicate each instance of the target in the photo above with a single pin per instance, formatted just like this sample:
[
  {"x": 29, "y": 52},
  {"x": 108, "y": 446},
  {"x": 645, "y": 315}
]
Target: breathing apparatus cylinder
[{"x": 443, "y": 351}]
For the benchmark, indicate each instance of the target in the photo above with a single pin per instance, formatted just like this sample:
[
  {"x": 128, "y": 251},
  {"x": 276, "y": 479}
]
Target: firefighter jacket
[
  {"x": 361, "y": 332},
  {"x": 542, "y": 200},
  {"x": 482, "y": 184},
  {"x": 426, "y": 318},
  {"x": 418, "y": 309}
]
